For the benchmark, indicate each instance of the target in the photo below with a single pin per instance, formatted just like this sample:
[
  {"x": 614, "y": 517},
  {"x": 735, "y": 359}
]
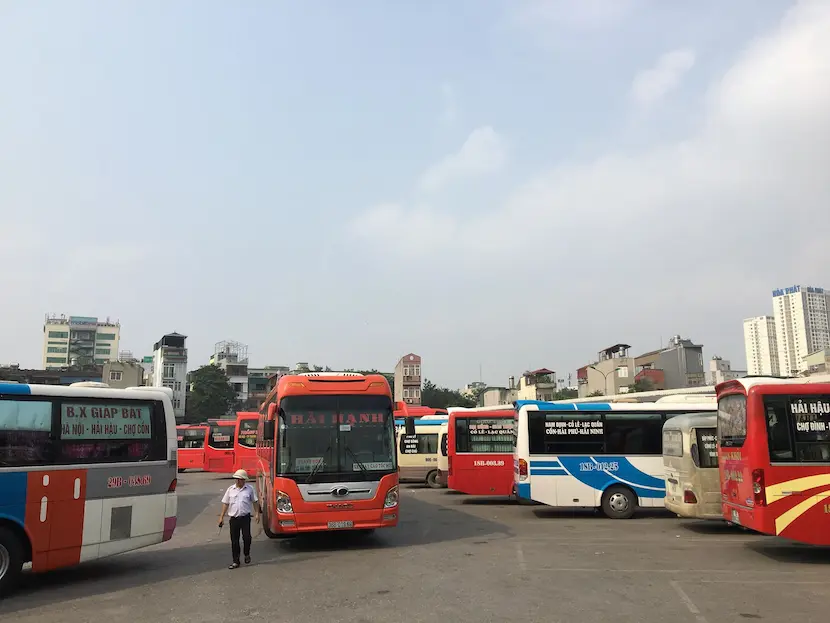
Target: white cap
[{"x": 240, "y": 474}]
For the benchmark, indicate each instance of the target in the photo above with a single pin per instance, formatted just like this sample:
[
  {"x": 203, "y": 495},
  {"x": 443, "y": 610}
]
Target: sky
[{"x": 496, "y": 186}]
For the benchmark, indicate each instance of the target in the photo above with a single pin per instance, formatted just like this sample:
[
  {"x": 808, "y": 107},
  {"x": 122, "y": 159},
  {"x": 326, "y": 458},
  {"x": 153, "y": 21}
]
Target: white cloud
[
  {"x": 756, "y": 162},
  {"x": 449, "y": 112},
  {"x": 483, "y": 152},
  {"x": 651, "y": 85}
]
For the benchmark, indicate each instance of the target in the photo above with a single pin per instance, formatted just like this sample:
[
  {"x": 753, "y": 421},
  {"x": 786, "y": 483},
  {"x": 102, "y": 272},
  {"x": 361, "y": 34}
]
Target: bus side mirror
[
  {"x": 410, "y": 425},
  {"x": 268, "y": 430}
]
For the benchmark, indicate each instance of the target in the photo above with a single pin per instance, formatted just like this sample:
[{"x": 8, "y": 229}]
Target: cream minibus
[
  {"x": 418, "y": 453},
  {"x": 690, "y": 459}
]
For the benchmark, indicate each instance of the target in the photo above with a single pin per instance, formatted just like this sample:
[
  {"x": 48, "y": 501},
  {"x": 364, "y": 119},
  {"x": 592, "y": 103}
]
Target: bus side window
[
  {"x": 695, "y": 452},
  {"x": 778, "y": 433}
]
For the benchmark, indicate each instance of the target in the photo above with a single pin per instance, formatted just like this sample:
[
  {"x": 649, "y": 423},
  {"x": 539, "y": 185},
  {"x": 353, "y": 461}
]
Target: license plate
[
  {"x": 736, "y": 519},
  {"x": 333, "y": 525}
]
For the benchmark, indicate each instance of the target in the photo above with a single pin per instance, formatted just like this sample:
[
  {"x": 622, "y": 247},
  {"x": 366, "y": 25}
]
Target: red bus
[
  {"x": 404, "y": 410},
  {"x": 327, "y": 454},
  {"x": 774, "y": 456},
  {"x": 192, "y": 441},
  {"x": 220, "y": 444},
  {"x": 244, "y": 449},
  {"x": 480, "y": 450}
]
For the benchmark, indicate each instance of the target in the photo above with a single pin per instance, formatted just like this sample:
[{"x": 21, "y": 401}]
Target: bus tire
[
  {"x": 11, "y": 560},
  {"x": 619, "y": 502},
  {"x": 432, "y": 480}
]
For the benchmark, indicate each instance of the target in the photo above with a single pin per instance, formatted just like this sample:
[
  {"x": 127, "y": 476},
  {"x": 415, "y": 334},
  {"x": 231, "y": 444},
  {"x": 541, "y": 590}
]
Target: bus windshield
[
  {"x": 192, "y": 438},
  {"x": 327, "y": 435},
  {"x": 247, "y": 432}
]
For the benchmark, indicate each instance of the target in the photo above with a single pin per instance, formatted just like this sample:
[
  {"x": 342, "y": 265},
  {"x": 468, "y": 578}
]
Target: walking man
[{"x": 240, "y": 502}]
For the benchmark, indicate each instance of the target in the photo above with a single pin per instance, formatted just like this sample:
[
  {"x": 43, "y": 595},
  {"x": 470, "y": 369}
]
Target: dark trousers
[{"x": 240, "y": 525}]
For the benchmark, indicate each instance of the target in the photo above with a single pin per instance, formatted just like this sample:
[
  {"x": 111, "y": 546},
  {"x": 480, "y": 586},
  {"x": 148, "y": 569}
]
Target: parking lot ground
[{"x": 452, "y": 558}]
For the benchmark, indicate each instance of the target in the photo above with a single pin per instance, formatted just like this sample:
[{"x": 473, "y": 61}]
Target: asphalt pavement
[{"x": 452, "y": 558}]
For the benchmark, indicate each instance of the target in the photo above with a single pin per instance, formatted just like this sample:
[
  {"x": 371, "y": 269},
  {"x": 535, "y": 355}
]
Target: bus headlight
[
  {"x": 391, "y": 498},
  {"x": 284, "y": 503}
]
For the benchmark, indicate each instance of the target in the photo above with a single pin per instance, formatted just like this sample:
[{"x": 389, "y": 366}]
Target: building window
[
  {"x": 406, "y": 392},
  {"x": 416, "y": 370},
  {"x": 116, "y": 375},
  {"x": 177, "y": 403},
  {"x": 406, "y": 370},
  {"x": 62, "y": 335},
  {"x": 416, "y": 393},
  {"x": 102, "y": 351},
  {"x": 56, "y": 360},
  {"x": 178, "y": 386},
  {"x": 169, "y": 370},
  {"x": 105, "y": 336},
  {"x": 56, "y": 349}
]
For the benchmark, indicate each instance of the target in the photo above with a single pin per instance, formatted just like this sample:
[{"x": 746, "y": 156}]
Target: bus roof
[
  {"x": 83, "y": 391},
  {"x": 686, "y": 421},
  {"x": 479, "y": 409},
  {"x": 332, "y": 383},
  {"x": 748, "y": 382},
  {"x": 540, "y": 405}
]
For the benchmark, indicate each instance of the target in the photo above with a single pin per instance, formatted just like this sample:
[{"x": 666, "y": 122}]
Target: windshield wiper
[
  {"x": 318, "y": 466},
  {"x": 355, "y": 459}
]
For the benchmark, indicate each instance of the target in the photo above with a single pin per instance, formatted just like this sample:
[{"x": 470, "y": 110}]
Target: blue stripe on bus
[
  {"x": 643, "y": 484},
  {"x": 548, "y": 472},
  {"x": 523, "y": 490},
  {"x": 15, "y": 388},
  {"x": 13, "y": 501},
  {"x": 553, "y": 463},
  {"x": 567, "y": 406}
]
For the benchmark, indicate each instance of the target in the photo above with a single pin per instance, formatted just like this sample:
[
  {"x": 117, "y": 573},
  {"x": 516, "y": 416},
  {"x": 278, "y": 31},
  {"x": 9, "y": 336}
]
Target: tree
[
  {"x": 441, "y": 397},
  {"x": 211, "y": 395},
  {"x": 566, "y": 394},
  {"x": 640, "y": 385},
  {"x": 596, "y": 393}
]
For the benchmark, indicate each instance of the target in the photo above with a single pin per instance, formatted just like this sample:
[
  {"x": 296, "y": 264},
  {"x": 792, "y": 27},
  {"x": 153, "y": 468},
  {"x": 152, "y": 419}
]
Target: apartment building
[
  {"x": 79, "y": 341},
  {"x": 720, "y": 370},
  {"x": 408, "y": 379},
  {"x": 761, "y": 346},
  {"x": 232, "y": 357},
  {"x": 170, "y": 369},
  {"x": 802, "y": 325}
]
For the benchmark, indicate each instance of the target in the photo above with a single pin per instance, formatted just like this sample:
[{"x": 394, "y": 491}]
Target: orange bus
[
  {"x": 219, "y": 449},
  {"x": 327, "y": 455},
  {"x": 774, "y": 456},
  {"x": 192, "y": 441},
  {"x": 244, "y": 448}
]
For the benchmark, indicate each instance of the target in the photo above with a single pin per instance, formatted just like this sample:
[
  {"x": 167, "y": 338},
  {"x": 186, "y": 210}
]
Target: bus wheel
[
  {"x": 432, "y": 480},
  {"x": 619, "y": 502},
  {"x": 11, "y": 560}
]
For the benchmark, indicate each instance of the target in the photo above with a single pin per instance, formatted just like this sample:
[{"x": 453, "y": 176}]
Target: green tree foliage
[
  {"x": 441, "y": 397},
  {"x": 566, "y": 394},
  {"x": 640, "y": 385},
  {"x": 211, "y": 396},
  {"x": 596, "y": 394}
]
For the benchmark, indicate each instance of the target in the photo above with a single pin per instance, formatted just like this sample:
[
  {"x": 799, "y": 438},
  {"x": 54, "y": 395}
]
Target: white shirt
[{"x": 240, "y": 501}]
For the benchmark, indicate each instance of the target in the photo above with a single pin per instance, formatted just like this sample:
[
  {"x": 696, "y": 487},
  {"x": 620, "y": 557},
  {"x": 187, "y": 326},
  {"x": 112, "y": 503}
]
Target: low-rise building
[
  {"x": 612, "y": 372},
  {"x": 537, "y": 385},
  {"x": 720, "y": 370},
  {"x": 123, "y": 374},
  {"x": 817, "y": 362},
  {"x": 408, "y": 379}
]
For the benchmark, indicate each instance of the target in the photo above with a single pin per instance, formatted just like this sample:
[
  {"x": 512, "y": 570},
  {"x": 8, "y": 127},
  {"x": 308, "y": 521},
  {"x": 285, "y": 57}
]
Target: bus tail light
[
  {"x": 172, "y": 487},
  {"x": 391, "y": 500},
  {"x": 522, "y": 469},
  {"x": 284, "y": 503},
  {"x": 758, "y": 487},
  {"x": 689, "y": 497}
]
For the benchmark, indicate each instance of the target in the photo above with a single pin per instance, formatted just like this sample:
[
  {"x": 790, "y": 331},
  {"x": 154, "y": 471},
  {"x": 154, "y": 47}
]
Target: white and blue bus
[{"x": 594, "y": 455}]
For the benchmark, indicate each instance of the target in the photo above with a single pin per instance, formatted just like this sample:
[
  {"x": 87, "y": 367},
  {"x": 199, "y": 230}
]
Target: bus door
[
  {"x": 219, "y": 451},
  {"x": 443, "y": 455},
  {"x": 245, "y": 456}
]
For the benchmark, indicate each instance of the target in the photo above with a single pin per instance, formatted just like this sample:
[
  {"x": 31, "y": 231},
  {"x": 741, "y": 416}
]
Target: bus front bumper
[{"x": 297, "y": 523}]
